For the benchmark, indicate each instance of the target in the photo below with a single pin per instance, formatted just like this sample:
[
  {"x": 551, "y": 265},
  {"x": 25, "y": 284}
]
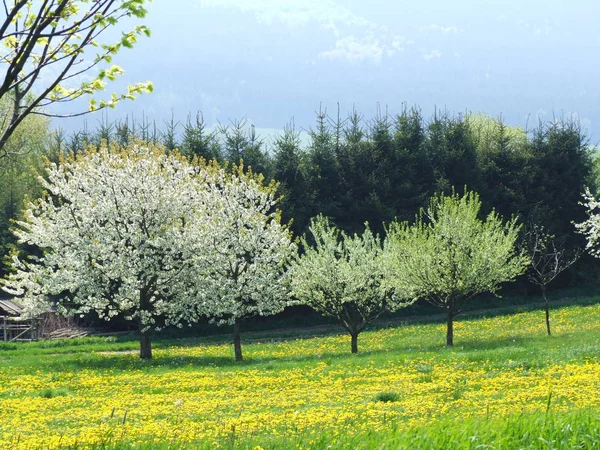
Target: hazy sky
[{"x": 271, "y": 60}]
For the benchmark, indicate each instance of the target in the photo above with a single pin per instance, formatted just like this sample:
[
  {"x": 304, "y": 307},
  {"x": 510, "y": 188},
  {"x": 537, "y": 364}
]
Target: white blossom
[
  {"x": 250, "y": 249},
  {"x": 120, "y": 232},
  {"x": 591, "y": 227},
  {"x": 245, "y": 274}
]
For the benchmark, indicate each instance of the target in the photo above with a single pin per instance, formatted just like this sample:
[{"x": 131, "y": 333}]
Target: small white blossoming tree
[
  {"x": 591, "y": 227},
  {"x": 249, "y": 250},
  {"x": 343, "y": 277},
  {"x": 119, "y": 232},
  {"x": 450, "y": 255}
]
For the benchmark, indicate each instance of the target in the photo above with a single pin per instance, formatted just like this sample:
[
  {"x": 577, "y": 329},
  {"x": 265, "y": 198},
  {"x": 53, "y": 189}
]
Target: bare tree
[
  {"x": 42, "y": 44},
  {"x": 548, "y": 260}
]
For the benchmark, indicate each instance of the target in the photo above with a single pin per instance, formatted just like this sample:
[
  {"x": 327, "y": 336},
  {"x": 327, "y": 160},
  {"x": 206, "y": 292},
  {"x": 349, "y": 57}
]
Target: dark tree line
[{"x": 354, "y": 169}]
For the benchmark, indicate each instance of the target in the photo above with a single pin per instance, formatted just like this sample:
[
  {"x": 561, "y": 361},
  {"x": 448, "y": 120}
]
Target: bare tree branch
[{"x": 548, "y": 259}]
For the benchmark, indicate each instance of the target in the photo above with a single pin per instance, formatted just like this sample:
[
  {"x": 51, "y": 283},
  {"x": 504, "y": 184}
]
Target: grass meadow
[{"x": 504, "y": 385}]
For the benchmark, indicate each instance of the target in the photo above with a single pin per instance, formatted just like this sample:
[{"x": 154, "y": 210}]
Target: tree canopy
[
  {"x": 449, "y": 254},
  {"x": 249, "y": 251},
  {"x": 343, "y": 277},
  {"x": 356, "y": 169},
  {"x": 44, "y": 46},
  {"x": 120, "y": 232}
]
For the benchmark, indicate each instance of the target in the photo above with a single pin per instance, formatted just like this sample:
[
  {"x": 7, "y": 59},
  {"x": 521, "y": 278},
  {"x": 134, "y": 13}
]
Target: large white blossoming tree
[
  {"x": 449, "y": 254},
  {"x": 250, "y": 250},
  {"x": 343, "y": 277},
  {"x": 119, "y": 232}
]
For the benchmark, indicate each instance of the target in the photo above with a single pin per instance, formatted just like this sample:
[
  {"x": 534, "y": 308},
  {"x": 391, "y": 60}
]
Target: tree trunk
[
  {"x": 145, "y": 345},
  {"x": 547, "y": 310},
  {"x": 354, "y": 337},
  {"x": 450, "y": 328},
  {"x": 237, "y": 345}
]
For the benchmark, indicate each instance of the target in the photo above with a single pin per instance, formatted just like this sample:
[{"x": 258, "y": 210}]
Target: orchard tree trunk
[
  {"x": 354, "y": 337},
  {"x": 237, "y": 345},
  {"x": 547, "y": 310},
  {"x": 450, "y": 327},
  {"x": 145, "y": 308},
  {"x": 145, "y": 345}
]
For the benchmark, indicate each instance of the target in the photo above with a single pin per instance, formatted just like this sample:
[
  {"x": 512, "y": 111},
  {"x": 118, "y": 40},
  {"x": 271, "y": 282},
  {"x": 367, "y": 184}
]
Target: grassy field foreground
[{"x": 504, "y": 385}]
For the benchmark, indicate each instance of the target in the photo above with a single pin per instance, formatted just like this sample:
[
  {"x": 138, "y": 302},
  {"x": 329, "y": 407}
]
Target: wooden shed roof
[{"x": 10, "y": 308}]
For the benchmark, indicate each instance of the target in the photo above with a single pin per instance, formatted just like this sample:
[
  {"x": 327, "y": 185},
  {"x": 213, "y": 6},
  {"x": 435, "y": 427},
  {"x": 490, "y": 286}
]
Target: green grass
[
  {"x": 504, "y": 385},
  {"x": 387, "y": 396},
  {"x": 568, "y": 431}
]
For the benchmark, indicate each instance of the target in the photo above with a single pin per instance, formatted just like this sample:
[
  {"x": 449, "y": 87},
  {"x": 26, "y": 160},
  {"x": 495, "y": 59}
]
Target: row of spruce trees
[{"x": 355, "y": 169}]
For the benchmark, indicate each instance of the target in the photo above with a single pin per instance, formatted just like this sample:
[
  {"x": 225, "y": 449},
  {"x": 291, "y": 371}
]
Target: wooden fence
[{"x": 18, "y": 330}]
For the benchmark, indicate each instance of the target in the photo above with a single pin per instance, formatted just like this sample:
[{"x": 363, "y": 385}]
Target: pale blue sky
[{"x": 271, "y": 60}]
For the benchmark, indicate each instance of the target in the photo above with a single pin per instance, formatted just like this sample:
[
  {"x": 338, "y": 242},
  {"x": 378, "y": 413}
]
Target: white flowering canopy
[
  {"x": 120, "y": 232},
  {"x": 249, "y": 249},
  {"x": 591, "y": 227}
]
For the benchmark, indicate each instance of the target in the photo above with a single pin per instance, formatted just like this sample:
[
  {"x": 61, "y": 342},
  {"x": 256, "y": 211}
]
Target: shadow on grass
[
  {"x": 126, "y": 362},
  {"x": 472, "y": 312},
  {"x": 472, "y": 349},
  {"x": 519, "y": 350},
  {"x": 121, "y": 361}
]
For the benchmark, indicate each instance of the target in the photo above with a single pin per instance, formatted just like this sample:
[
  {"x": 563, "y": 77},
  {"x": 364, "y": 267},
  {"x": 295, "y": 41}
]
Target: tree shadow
[
  {"x": 469, "y": 347},
  {"x": 122, "y": 361},
  {"x": 125, "y": 361}
]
